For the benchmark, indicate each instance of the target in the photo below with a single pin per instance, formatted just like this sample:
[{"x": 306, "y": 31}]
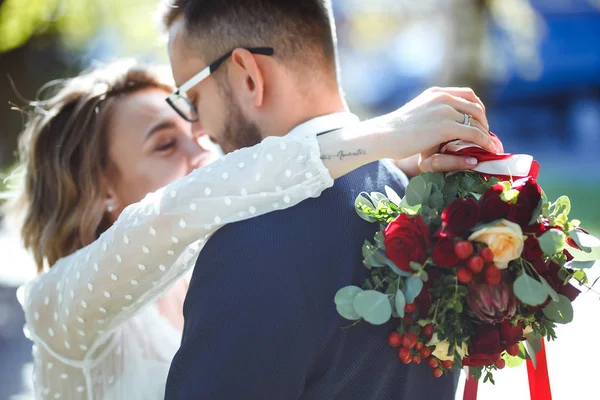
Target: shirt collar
[{"x": 325, "y": 123}]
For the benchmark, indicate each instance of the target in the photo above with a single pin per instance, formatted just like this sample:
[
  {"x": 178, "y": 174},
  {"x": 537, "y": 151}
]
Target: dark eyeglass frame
[{"x": 202, "y": 75}]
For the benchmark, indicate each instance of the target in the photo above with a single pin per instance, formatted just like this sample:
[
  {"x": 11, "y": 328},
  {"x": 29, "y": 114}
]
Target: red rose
[
  {"x": 406, "y": 239},
  {"x": 460, "y": 216},
  {"x": 479, "y": 360},
  {"x": 532, "y": 250},
  {"x": 530, "y": 194},
  {"x": 491, "y": 206},
  {"x": 443, "y": 253},
  {"x": 569, "y": 291},
  {"x": 486, "y": 340},
  {"x": 511, "y": 334}
]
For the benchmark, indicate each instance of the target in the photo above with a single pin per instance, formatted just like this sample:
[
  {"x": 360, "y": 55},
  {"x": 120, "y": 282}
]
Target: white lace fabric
[{"x": 96, "y": 331}]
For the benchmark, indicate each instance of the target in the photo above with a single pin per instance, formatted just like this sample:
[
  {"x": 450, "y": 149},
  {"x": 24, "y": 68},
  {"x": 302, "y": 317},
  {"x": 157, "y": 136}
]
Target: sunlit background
[{"x": 535, "y": 63}]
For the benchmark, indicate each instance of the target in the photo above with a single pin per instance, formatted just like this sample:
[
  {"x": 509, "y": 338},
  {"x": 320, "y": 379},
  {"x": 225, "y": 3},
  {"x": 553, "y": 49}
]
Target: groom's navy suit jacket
[{"x": 260, "y": 321}]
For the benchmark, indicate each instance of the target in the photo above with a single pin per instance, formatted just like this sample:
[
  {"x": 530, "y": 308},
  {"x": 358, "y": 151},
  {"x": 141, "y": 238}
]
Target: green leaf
[
  {"x": 580, "y": 264},
  {"x": 584, "y": 240},
  {"x": 436, "y": 200},
  {"x": 510, "y": 196},
  {"x": 529, "y": 291},
  {"x": 436, "y": 178},
  {"x": 512, "y": 362},
  {"x": 392, "y": 195},
  {"x": 418, "y": 191},
  {"x": 394, "y": 267},
  {"x": 536, "y": 212},
  {"x": 413, "y": 287},
  {"x": 344, "y": 302},
  {"x": 549, "y": 289},
  {"x": 399, "y": 303},
  {"x": 379, "y": 198},
  {"x": 369, "y": 253},
  {"x": 364, "y": 208},
  {"x": 562, "y": 206},
  {"x": 408, "y": 209},
  {"x": 581, "y": 277},
  {"x": 560, "y": 311},
  {"x": 552, "y": 241},
  {"x": 374, "y": 307},
  {"x": 532, "y": 345},
  {"x": 415, "y": 266},
  {"x": 379, "y": 240}
]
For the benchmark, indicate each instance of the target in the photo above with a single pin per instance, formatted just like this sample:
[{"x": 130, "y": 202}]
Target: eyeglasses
[{"x": 179, "y": 100}]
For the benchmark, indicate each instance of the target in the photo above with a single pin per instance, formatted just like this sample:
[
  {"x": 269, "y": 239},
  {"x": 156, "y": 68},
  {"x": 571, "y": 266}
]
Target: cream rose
[
  {"x": 442, "y": 346},
  {"x": 505, "y": 239}
]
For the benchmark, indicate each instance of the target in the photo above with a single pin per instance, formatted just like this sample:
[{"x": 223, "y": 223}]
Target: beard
[{"x": 238, "y": 131}]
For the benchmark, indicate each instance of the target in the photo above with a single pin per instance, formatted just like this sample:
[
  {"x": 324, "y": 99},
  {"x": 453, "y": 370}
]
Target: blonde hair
[{"x": 64, "y": 158}]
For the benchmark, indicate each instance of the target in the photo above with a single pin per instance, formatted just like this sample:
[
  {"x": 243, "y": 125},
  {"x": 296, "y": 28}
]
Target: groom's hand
[{"x": 436, "y": 116}]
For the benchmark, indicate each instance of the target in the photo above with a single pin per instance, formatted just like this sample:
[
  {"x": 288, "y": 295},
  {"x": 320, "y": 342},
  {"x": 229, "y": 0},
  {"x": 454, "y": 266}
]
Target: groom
[{"x": 260, "y": 322}]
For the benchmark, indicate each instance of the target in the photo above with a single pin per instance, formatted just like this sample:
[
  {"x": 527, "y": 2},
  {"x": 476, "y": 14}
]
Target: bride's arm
[{"x": 87, "y": 294}]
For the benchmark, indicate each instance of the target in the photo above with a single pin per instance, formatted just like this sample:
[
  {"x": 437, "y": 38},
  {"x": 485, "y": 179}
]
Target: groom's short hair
[{"x": 299, "y": 30}]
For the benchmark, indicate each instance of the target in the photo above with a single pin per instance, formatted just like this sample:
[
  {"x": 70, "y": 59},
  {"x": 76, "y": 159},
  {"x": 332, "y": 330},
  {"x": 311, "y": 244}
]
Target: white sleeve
[{"x": 83, "y": 297}]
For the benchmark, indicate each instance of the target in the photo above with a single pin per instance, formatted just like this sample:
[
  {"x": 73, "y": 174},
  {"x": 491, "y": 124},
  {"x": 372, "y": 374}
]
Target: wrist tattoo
[{"x": 342, "y": 154}]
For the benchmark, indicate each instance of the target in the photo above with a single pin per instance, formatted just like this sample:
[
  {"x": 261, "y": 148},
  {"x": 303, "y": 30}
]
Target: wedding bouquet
[{"x": 474, "y": 268}]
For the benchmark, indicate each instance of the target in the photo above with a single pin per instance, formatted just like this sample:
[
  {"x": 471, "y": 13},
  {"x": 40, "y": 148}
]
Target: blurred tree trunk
[{"x": 466, "y": 36}]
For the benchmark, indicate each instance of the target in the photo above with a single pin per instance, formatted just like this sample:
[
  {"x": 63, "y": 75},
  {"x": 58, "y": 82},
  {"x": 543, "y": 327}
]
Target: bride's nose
[{"x": 199, "y": 154}]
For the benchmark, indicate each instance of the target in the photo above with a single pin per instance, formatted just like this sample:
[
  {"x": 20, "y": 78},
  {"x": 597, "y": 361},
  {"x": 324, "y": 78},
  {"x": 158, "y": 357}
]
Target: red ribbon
[{"x": 539, "y": 381}]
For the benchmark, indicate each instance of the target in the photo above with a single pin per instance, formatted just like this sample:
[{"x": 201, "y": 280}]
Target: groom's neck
[{"x": 297, "y": 109}]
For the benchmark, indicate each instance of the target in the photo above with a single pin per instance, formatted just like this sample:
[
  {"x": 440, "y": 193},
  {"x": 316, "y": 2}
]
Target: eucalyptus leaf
[
  {"x": 392, "y": 195},
  {"x": 412, "y": 288},
  {"x": 344, "y": 302},
  {"x": 533, "y": 344},
  {"x": 399, "y": 303},
  {"x": 536, "y": 212},
  {"x": 379, "y": 198},
  {"x": 364, "y": 208},
  {"x": 436, "y": 200},
  {"x": 584, "y": 241},
  {"x": 436, "y": 178},
  {"x": 529, "y": 291},
  {"x": 407, "y": 208},
  {"x": 512, "y": 362},
  {"x": 552, "y": 241},
  {"x": 562, "y": 206},
  {"x": 395, "y": 268},
  {"x": 374, "y": 307},
  {"x": 560, "y": 311},
  {"x": 415, "y": 266},
  {"x": 369, "y": 252},
  {"x": 549, "y": 290},
  {"x": 580, "y": 264},
  {"x": 581, "y": 277},
  {"x": 379, "y": 238},
  {"x": 418, "y": 191}
]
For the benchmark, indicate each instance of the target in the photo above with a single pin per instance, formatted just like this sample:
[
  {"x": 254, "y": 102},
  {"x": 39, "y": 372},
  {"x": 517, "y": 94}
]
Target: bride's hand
[{"x": 434, "y": 117}]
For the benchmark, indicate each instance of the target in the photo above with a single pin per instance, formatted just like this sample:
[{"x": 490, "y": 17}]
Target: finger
[
  {"x": 446, "y": 163},
  {"x": 467, "y": 107},
  {"x": 475, "y": 133},
  {"x": 463, "y": 92}
]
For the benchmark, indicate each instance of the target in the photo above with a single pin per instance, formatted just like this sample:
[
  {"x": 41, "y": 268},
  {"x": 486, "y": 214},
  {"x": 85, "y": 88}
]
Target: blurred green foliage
[{"x": 78, "y": 21}]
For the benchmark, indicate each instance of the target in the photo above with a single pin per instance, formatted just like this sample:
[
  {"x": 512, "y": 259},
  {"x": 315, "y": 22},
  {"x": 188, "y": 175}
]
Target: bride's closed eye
[{"x": 165, "y": 146}]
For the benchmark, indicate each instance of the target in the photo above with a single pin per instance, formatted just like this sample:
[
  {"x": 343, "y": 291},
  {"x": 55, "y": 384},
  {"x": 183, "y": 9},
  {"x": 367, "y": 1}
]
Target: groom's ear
[{"x": 248, "y": 77}]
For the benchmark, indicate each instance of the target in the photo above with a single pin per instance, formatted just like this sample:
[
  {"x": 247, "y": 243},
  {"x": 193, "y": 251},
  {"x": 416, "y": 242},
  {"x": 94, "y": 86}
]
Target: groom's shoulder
[{"x": 315, "y": 217}]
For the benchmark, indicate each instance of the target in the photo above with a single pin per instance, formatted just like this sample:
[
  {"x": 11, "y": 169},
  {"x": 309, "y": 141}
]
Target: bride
[{"x": 117, "y": 200}]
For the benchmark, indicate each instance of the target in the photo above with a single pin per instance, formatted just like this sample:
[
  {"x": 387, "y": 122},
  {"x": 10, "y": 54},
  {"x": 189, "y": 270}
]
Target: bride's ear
[
  {"x": 249, "y": 77},
  {"x": 111, "y": 204}
]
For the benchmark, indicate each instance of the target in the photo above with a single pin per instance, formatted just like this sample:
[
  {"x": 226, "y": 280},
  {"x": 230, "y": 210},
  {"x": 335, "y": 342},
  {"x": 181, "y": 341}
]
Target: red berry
[
  {"x": 407, "y": 320},
  {"x": 463, "y": 250},
  {"x": 464, "y": 275},
  {"x": 417, "y": 359},
  {"x": 487, "y": 254},
  {"x": 475, "y": 264},
  {"x": 403, "y": 353},
  {"x": 425, "y": 352},
  {"x": 410, "y": 307},
  {"x": 437, "y": 372},
  {"x": 500, "y": 363},
  {"x": 433, "y": 363},
  {"x": 409, "y": 341},
  {"x": 394, "y": 339},
  {"x": 419, "y": 346},
  {"x": 513, "y": 350},
  {"x": 406, "y": 360},
  {"x": 492, "y": 275},
  {"x": 428, "y": 330},
  {"x": 447, "y": 364}
]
